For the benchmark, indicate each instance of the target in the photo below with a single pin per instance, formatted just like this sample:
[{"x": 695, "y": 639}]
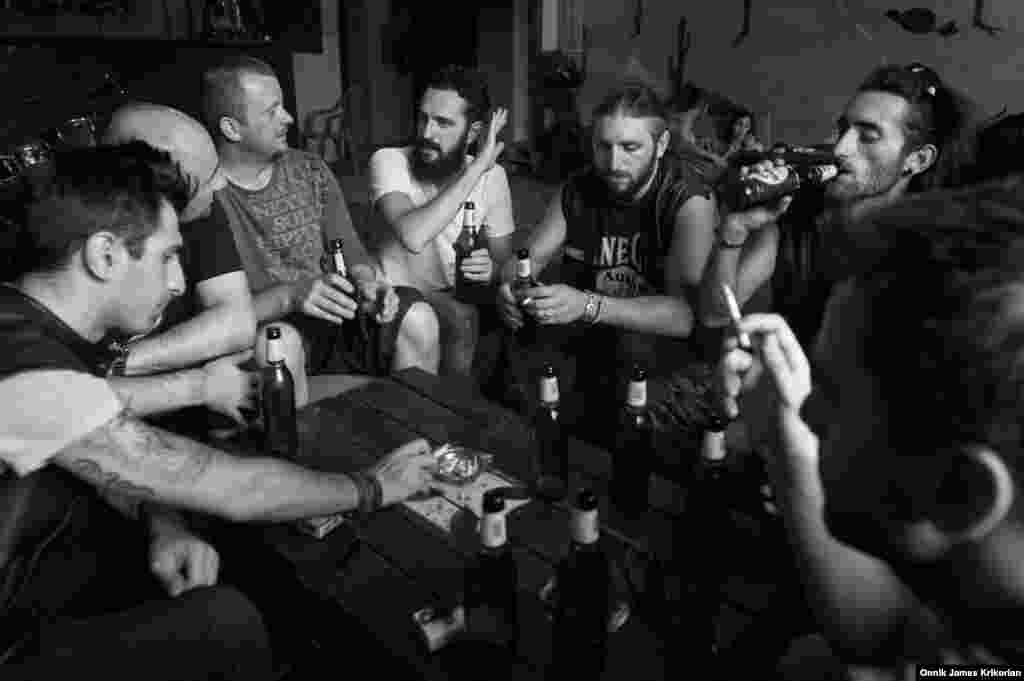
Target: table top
[{"x": 383, "y": 568}]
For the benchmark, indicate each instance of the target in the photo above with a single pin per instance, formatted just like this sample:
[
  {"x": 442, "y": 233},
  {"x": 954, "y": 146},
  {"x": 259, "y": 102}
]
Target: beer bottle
[
  {"x": 277, "y": 400},
  {"x": 582, "y": 583},
  {"x": 525, "y": 280},
  {"x": 758, "y": 188},
  {"x": 464, "y": 246},
  {"x": 336, "y": 265},
  {"x": 633, "y": 450},
  {"x": 552, "y": 440},
  {"x": 491, "y": 600}
]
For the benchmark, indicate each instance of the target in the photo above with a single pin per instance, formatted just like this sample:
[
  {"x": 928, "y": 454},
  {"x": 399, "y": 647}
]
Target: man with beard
[
  {"x": 420, "y": 191},
  {"x": 285, "y": 208},
  {"x": 635, "y": 230},
  {"x": 904, "y": 131},
  {"x": 898, "y": 467}
]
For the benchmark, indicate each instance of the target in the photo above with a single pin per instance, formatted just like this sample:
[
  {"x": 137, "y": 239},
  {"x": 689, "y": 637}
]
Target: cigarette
[
  {"x": 526, "y": 301},
  {"x": 734, "y": 314}
]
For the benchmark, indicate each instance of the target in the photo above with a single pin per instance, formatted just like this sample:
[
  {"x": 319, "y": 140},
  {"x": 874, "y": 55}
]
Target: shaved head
[{"x": 180, "y": 135}]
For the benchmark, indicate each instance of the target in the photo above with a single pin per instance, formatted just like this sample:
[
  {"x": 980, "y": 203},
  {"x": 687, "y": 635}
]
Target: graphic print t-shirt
[
  {"x": 618, "y": 247},
  {"x": 282, "y": 231}
]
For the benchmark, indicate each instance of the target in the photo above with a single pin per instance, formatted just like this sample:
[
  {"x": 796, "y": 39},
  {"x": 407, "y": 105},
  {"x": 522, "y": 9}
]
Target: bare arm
[
  {"x": 274, "y": 303},
  {"x": 226, "y": 324},
  {"x": 415, "y": 227},
  {"x": 147, "y": 395},
  {"x": 864, "y": 609},
  {"x": 129, "y": 457}
]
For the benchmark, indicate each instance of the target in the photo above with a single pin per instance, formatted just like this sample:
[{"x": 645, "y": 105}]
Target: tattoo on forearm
[{"x": 129, "y": 457}]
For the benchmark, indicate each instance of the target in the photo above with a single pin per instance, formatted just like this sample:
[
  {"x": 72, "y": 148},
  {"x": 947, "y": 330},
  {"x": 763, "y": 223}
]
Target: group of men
[{"x": 181, "y": 241}]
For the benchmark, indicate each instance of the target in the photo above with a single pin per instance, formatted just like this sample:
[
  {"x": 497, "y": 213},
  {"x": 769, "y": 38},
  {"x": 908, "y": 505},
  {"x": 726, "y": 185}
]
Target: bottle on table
[
  {"x": 491, "y": 595},
  {"x": 552, "y": 467},
  {"x": 580, "y": 623},
  {"x": 469, "y": 240},
  {"x": 633, "y": 449},
  {"x": 525, "y": 280},
  {"x": 277, "y": 401}
]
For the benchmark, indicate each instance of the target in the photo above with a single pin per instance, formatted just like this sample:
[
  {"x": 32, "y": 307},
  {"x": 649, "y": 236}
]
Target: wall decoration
[
  {"x": 921, "y": 20},
  {"x": 978, "y": 20},
  {"x": 748, "y": 6}
]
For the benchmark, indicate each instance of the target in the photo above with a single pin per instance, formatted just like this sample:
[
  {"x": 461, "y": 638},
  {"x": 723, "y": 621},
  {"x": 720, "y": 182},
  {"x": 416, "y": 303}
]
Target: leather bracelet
[
  {"x": 371, "y": 495},
  {"x": 600, "y": 308}
]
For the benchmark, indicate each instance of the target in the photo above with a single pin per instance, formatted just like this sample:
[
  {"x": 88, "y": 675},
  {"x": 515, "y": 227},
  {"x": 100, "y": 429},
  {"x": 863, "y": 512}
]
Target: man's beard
[
  {"x": 630, "y": 191},
  {"x": 878, "y": 182},
  {"x": 446, "y": 164}
]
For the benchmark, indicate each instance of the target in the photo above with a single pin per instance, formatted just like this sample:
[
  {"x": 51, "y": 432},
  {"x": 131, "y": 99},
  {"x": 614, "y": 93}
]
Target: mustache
[{"x": 427, "y": 144}]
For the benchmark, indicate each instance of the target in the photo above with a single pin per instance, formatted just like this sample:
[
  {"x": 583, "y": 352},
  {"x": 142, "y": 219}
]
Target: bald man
[{"x": 208, "y": 330}]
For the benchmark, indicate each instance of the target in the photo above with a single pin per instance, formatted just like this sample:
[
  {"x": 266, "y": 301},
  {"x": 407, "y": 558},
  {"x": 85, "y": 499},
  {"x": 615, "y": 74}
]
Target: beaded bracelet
[{"x": 591, "y": 308}]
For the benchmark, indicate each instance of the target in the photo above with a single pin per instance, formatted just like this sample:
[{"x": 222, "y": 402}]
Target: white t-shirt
[
  {"x": 434, "y": 267},
  {"x": 46, "y": 411}
]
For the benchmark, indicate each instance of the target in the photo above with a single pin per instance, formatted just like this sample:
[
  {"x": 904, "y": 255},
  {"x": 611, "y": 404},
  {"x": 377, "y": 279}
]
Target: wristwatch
[{"x": 120, "y": 362}]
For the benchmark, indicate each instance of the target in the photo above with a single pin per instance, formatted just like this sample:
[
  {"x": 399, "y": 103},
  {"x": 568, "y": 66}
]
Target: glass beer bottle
[
  {"x": 633, "y": 451},
  {"x": 491, "y": 601},
  {"x": 464, "y": 246},
  {"x": 552, "y": 440},
  {"x": 277, "y": 400},
  {"x": 336, "y": 265},
  {"x": 580, "y": 624},
  {"x": 525, "y": 280}
]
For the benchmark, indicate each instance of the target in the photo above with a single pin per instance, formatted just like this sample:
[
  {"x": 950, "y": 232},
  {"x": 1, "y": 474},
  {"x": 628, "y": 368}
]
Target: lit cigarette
[
  {"x": 526, "y": 301},
  {"x": 734, "y": 313}
]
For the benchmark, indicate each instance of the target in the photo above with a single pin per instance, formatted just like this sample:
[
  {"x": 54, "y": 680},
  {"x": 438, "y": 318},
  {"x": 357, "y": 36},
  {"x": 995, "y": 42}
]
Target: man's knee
[{"x": 419, "y": 337}]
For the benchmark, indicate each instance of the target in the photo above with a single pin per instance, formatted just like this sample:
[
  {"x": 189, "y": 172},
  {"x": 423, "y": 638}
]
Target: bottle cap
[
  {"x": 273, "y": 332},
  {"x": 337, "y": 244},
  {"x": 586, "y": 500},
  {"x": 523, "y": 254},
  {"x": 494, "y": 501},
  {"x": 469, "y": 205}
]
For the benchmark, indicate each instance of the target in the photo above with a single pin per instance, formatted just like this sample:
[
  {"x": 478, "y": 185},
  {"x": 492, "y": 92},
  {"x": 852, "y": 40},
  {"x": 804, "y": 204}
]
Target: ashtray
[{"x": 458, "y": 465}]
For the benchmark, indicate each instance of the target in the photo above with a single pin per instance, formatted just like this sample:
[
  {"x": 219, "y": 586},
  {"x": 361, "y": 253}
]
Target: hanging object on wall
[
  {"x": 921, "y": 21},
  {"x": 978, "y": 21},
  {"x": 638, "y": 18},
  {"x": 748, "y": 6},
  {"x": 677, "y": 64}
]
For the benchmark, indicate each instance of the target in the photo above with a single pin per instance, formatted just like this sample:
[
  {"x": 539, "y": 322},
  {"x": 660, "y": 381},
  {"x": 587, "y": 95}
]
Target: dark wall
[{"x": 49, "y": 84}]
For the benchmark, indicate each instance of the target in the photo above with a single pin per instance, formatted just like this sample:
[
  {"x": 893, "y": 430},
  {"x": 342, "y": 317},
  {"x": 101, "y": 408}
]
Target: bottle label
[
  {"x": 523, "y": 269},
  {"x": 549, "y": 390},
  {"x": 636, "y": 396},
  {"x": 583, "y": 527},
  {"x": 774, "y": 176},
  {"x": 339, "y": 264},
  {"x": 714, "y": 445},
  {"x": 274, "y": 351},
  {"x": 492, "y": 530}
]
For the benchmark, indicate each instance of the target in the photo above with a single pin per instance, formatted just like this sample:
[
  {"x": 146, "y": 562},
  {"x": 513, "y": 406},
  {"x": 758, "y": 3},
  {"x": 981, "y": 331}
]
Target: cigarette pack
[{"x": 320, "y": 526}]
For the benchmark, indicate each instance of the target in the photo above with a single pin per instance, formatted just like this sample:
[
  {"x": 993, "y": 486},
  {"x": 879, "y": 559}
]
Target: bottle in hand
[
  {"x": 552, "y": 440},
  {"x": 633, "y": 450},
  {"x": 524, "y": 280},
  {"x": 277, "y": 401},
  {"x": 491, "y": 596},
  {"x": 336, "y": 265},
  {"x": 759, "y": 188},
  {"x": 580, "y": 624},
  {"x": 469, "y": 240}
]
